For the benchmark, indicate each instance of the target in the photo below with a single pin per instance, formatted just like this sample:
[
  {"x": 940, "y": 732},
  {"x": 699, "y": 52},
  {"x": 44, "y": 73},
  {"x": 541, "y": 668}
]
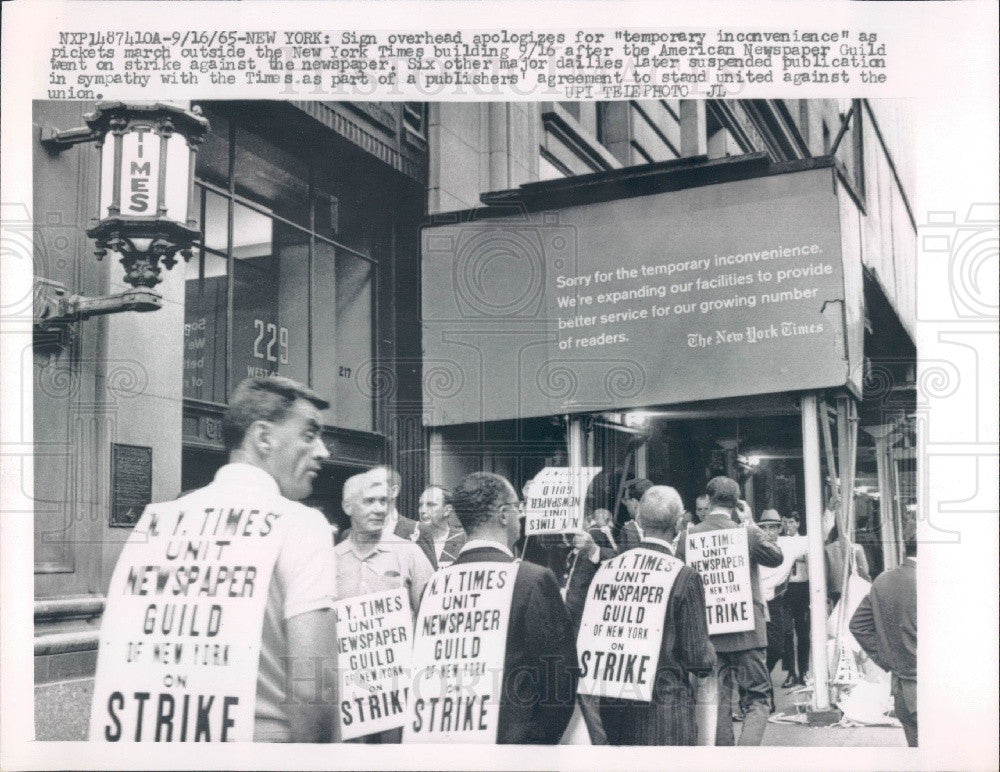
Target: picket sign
[
  {"x": 374, "y": 641},
  {"x": 722, "y": 558},
  {"x": 556, "y": 498},
  {"x": 181, "y": 633},
  {"x": 622, "y": 625},
  {"x": 459, "y": 647}
]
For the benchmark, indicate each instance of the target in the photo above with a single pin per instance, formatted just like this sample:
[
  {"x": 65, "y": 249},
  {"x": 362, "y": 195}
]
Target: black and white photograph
[
  {"x": 709, "y": 302},
  {"x": 572, "y": 423}
]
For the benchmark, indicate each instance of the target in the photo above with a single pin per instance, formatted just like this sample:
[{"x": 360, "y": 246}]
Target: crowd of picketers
[{"x": 272, "y": 429}]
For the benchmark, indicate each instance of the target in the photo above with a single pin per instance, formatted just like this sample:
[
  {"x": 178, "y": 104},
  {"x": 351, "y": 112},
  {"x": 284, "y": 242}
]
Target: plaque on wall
[{"x": 131, "y": 483}]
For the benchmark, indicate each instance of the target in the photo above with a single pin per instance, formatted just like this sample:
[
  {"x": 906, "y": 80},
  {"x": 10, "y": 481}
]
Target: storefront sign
[
  {"x": 622, "y": 626},
  {"x": 556, "y": 498},
  {"x": 649, "y": 300},
  {"x": 374, "y": 638},
  {"x": 139, "y": 174},
  {"x": 722, "y": 558},
  {"x": 181, "y": 633},
  {"x": 458, "y": 654},
  {"x": 131, "y": 482}
]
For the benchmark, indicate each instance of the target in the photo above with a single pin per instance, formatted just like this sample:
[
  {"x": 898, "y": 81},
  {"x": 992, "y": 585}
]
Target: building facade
[
  {"x": 480, "y": 149},
  {"x": 309, "y": 215}
]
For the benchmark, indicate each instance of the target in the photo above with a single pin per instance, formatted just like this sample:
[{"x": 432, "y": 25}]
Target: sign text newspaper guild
[
  {"x": 622, "y": 625},
  {"x": 181, "y": 635},
  {"x": 458, "y": 654},
  {"x": 556, "y": 499},
  {"x": 723, "y": 560},
  {"x": 373, "y": 661}
]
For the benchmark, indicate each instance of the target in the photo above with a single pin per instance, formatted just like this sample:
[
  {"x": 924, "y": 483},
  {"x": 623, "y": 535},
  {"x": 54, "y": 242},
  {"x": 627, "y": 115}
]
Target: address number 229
[{"x": 270, "y": 337}]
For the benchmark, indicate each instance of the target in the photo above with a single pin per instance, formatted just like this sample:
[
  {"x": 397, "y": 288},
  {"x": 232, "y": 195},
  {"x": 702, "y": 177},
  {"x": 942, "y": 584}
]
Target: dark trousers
[
  {"x": 797, "y": 600},
  {"x": 778, "y": 628},
  {"x": 905, "y": 694},
  {"x": 747, "y": 670}
]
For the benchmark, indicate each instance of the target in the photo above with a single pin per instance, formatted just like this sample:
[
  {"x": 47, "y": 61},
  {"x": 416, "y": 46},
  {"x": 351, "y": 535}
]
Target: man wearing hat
[{"x": 773, "y": 584}]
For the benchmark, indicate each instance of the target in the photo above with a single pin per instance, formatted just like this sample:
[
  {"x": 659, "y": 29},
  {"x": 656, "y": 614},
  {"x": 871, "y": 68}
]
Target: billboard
[{"x": 717, "y": 291}]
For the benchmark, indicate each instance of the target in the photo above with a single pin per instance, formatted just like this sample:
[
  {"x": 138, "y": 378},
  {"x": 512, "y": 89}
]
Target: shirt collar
[
  {"x": 247, "y": 476},
  {"x": 661, "y": 542},
  {"x": 352, "y": 547},
  {"x": 475, "y": 544},
  {"x": 723, "y": 514}
]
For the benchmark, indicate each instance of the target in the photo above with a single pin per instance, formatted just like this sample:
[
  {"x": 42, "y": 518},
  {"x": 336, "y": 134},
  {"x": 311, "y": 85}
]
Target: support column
[
  {"x": 574, "y": 440},
  {"x": 435, "y": 457},
  {"x": 641, "y": 462},
  {"x": 814, "y": 533},
  {"x": 890, "y": 554},
  {"x": 694, "y": 132}
]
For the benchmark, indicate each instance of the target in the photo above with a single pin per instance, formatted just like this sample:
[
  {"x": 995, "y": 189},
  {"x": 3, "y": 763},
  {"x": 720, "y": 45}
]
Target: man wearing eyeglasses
[{"x": 539, "y": 673}]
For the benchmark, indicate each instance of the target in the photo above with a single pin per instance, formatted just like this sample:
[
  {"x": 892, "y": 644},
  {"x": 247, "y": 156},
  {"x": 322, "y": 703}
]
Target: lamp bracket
[
  {"x": 56, "y": 312},
  {"x": 56, "y": 140}
]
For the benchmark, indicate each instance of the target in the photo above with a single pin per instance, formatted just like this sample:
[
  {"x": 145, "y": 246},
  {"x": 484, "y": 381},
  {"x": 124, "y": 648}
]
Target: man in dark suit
[
  {"x": 540, "y": 672},
  {"x": 631, "y": 534},
  {"x": 741, "y": 657},
  {"x": 436, "y": 514},
  {"x": 685, "y": 649},
  {"x": 885, "y": 624}
]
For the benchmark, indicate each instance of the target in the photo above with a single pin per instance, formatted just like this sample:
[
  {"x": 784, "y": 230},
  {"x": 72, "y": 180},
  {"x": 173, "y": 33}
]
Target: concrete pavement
[{"x": 823, "y": 736}]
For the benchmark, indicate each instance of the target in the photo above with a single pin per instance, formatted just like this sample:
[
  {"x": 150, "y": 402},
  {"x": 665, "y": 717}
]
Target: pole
[
  {"x": 814, "y": 533},
  {"x": 574, "y": 440}
]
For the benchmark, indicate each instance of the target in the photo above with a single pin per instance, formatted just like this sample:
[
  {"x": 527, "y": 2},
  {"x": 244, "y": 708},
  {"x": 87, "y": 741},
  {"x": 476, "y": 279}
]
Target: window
[
  {"x": 415, "y": 124},
  {"x": 285, "y": 280}
]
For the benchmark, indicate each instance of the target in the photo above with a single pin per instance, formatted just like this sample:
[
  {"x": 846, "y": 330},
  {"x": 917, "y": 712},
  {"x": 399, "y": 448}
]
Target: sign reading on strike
[
  {"x": 458, "y": 654},
  {"x": 180, "y": 639},
  {"x": 556, "y": 499},
  {"x": 723, "y": 560},
  {"x": 373, "y": 661},
  {"x": 622, "y": 624}
]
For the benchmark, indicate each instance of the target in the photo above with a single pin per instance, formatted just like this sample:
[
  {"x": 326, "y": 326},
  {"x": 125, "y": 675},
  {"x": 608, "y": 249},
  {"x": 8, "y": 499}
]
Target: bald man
[{"x": 685, "y": 648}]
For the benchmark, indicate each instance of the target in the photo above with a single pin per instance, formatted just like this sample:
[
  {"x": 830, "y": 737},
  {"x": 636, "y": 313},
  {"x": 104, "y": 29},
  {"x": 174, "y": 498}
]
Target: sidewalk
[{"x": 819, "y": 736}]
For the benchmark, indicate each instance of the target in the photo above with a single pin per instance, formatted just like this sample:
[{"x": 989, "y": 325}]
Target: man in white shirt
[
  {"x": 436, "y": 514},
  {"x": 774, "y": 583},
  {"x": 797, "y": 599},
  {"x": 272, "y": 429},
  {"x": 374, "y": 559},
  {"x": 395, "y": 523}
]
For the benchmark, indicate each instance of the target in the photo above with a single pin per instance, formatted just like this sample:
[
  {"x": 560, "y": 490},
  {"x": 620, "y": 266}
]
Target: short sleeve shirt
[
  {"x": 393, "y": 563},
  {"x": 303, "y": 580},
  {"x": 793, "y": 549}
]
